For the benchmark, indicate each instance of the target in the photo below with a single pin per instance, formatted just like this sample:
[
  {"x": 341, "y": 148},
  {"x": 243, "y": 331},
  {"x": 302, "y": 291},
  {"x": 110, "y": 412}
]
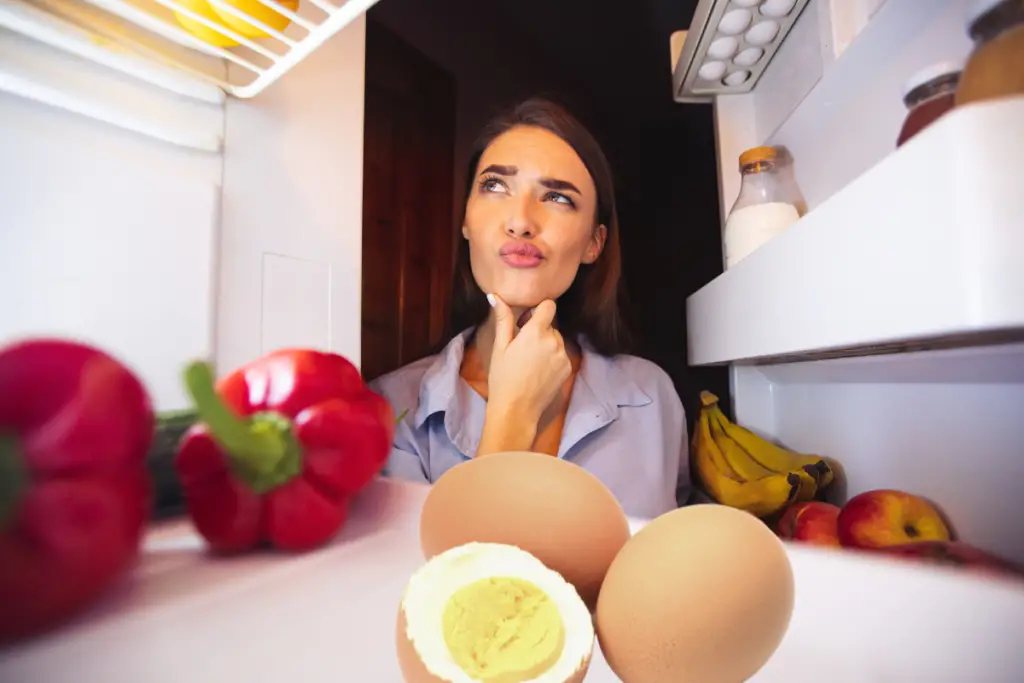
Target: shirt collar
[
  {"x": 600, "y": 383},
  {"x": 439, "y": 387}
]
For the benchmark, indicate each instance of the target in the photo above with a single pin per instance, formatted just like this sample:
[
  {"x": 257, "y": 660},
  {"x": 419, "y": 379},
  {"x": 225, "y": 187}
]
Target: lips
[{"x": 521, "y": 255}]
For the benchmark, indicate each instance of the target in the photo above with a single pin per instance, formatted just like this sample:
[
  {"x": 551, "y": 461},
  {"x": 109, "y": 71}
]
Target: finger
[
  {"x": 504, "y": 324},
  {"x": 560, "y": 340},
  {"x": 525, "y": 317},
  {"x": 543, "y": 315}
]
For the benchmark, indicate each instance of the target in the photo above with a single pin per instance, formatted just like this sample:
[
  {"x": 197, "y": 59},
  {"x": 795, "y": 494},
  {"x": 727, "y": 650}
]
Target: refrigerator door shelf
[{"x": 924, "y": 250}]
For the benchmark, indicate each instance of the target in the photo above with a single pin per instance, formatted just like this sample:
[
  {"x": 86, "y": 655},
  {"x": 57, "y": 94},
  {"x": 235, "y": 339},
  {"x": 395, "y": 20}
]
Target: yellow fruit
[
  {"x": 746, "y": 466},
  {"x": 761, "y": 497},
  {"x": 203, "y": 33},
  {"x": 740, "y": 461},
  {"x": 774, "y": 458},
  {"x": 704, "y": 445},
  {"x": 257, "y": 10},
  {"x": 808, "y": 484}
]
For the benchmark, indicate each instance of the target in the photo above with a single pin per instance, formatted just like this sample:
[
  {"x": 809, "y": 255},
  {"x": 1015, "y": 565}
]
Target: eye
[
  {"x": 491, "y": 184},
  {"x": 560, "y": 198}
]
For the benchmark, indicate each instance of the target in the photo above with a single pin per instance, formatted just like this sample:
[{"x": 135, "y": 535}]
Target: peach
[
  {"x": 887, "y": 517},
  {"x": 811, "y": 522}
]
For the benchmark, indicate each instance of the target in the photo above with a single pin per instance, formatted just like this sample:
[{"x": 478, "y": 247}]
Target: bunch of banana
[{"x": 743, "y": 470}]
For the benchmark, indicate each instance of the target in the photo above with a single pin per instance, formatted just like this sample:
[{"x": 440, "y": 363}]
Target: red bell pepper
[
  {"x": 281, "y": 446},
  {"x": 75, "y": 429}
]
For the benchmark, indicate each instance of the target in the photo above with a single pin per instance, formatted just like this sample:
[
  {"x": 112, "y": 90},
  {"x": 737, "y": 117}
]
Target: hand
[{"x": 527, "y": 369}]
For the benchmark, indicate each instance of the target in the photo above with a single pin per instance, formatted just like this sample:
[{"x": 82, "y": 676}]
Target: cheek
[
  {"x": 568, "y": 247},
  {"x": 480, "y": 246},
  {"x": 478, "y": 212},
  {"x": 570, "y": 243}
]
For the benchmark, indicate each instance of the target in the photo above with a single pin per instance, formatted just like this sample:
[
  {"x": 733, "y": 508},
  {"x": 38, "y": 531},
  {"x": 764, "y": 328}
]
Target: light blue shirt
[{"x": 625, "y": 425}]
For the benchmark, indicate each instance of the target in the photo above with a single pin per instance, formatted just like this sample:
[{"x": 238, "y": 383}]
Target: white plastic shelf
[
  {"x": 329, "y": 615},
  {"x": 924, "y": 250},
  {"x": 145, "y": 41}
]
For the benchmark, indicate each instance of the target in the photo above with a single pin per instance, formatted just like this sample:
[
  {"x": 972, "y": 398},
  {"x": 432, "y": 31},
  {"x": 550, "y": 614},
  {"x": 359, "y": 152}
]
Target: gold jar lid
[{"x": 758, "y": 154}]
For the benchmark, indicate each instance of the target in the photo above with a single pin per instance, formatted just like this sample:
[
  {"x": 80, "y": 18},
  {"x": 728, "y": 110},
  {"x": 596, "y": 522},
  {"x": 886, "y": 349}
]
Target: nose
[{"x": 520, "y": 221}]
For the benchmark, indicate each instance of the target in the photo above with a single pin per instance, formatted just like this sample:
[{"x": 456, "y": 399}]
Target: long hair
[{"x": 591, "y": 306}]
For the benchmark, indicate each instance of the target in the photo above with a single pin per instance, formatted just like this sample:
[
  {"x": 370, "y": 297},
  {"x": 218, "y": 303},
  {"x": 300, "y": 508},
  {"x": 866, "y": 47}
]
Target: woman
[{"x": 536, "y": 359}]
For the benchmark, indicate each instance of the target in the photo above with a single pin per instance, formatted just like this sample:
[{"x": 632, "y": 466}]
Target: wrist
[
  {"x": 512, "y": 413},
  {"x": 507, "y": 427}
]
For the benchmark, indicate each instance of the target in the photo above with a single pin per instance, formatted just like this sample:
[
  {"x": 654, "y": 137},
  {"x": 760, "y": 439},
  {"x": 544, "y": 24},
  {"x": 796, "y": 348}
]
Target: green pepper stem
[
  {"x": 12, "y": 478},
  {"x": 251, "y": 444}
]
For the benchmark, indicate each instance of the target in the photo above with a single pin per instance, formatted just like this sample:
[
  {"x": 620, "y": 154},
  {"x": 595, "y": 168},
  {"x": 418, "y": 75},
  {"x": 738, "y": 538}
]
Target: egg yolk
[{"x": 503, "y": 630}]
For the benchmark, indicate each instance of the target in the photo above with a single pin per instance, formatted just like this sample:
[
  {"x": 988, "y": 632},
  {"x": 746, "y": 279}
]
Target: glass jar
[
  {"x": 762, "y": 210},
  {"x": 995, "y": 68},
  {"x": 928, "y": 94}
]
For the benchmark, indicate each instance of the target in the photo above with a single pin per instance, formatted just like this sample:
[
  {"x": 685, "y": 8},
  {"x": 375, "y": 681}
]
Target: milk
[{"x": 750, "y": 227}]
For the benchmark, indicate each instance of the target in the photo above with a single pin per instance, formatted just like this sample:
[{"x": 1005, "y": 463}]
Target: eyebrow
[{"x": 550, "y": 183}]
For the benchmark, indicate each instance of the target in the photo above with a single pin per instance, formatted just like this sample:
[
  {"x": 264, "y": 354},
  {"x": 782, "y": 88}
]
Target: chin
[
  {"x": 526, "y": 289},
  {"x": 519, "y": 297},
  {"x": 521, "y": 302}
]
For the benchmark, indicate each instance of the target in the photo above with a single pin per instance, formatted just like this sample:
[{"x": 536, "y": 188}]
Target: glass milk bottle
[{"x": 763, "y": 208}]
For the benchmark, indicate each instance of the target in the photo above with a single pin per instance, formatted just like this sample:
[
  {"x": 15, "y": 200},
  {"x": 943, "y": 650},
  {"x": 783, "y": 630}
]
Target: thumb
[{"x": 504, "y": 324}]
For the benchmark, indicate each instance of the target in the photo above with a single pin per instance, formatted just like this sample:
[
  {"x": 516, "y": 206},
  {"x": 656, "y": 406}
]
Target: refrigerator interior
[
  {"x": 240, "y": 231},
  {"x": 233, "y": 226},
  {"x": 944, "y": 423},
  {"x": 237, "y": 232}
]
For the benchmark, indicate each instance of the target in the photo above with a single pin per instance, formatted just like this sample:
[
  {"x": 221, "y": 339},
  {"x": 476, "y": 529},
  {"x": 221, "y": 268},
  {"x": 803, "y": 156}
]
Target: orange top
[{"x": 756, "y": 154}]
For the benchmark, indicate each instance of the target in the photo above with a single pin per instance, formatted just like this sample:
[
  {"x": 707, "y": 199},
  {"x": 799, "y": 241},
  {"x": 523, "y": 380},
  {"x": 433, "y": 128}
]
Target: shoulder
[
  {"x": 433, "y": 379},
  {"x": 401, "y": 387},
  {"x": 647, "y": 376}
]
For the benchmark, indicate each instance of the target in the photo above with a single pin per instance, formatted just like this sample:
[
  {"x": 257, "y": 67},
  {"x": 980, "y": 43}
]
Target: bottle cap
[
  {"x": 930, "y": 73},
  {"x": 755, "y": 154}
]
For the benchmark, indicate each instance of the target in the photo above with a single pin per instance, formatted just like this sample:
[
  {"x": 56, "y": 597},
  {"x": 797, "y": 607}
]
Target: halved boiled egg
[{"x": 489, "y": 612}]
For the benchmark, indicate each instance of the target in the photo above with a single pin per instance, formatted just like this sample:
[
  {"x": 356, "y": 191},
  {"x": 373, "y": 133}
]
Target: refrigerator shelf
[
  {"x": 147, "y": 40},
  {"x": 329, "y": 615},
  {"x": 924, "y": 250}
]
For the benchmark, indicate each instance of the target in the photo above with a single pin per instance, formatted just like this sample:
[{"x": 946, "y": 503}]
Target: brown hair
[{"x": 591, "y": 306}]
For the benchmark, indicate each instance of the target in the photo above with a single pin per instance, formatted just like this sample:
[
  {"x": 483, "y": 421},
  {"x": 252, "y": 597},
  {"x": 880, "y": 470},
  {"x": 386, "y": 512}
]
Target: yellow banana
[
  {"x": 714, "y": 455},
  {"x": 770, "y": 456},
  {"x": 808, "y": 484},
  {"x": 761, "y": 497},
  {"x": 776, "y": 458},
  {"x": 741, "y": 463},
  {"x": 745, "y": 465}
]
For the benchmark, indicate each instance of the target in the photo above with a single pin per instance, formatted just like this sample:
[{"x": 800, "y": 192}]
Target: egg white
[{"x": 428, "y": 591}]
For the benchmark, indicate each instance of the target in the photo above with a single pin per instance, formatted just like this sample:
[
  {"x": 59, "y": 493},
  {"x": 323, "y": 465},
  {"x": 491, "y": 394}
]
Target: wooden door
[{"x": 408, "y": 233}]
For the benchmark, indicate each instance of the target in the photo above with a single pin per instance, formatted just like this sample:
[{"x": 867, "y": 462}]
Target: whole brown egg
[
  {"x": 702, "y": 594},
  {"x": 553, "y": 509}
]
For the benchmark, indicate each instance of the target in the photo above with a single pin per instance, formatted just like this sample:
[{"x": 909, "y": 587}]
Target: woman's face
[{"x": 530, "y": 218}]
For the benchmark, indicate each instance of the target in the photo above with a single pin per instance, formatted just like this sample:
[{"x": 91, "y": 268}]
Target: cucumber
[{"x": 170, "y": 427}]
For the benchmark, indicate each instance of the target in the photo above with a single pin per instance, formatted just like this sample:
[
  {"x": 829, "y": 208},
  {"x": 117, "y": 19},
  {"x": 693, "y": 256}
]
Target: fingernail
[{"x": 491, "y": 300}]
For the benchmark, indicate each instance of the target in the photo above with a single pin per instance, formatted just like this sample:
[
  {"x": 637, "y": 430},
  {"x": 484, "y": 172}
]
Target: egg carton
[{"x": 730, "y": 44}]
